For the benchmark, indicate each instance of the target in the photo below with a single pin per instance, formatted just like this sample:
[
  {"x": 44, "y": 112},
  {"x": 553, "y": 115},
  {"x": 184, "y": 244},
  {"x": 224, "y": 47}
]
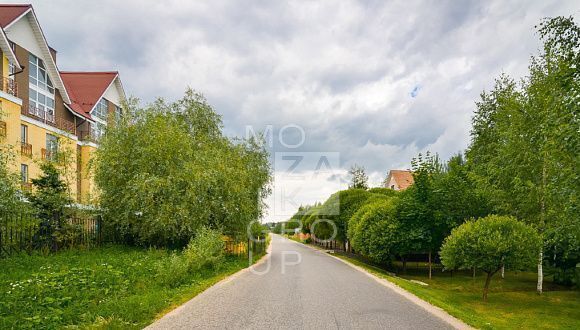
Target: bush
[
  {"x": 340, "y": 207},
  {"x": 375, "y": 232},
  {"x": 205, "y": 250},
  {"x": 174, "y": 271},
  {"x": 489, "y": 244}
]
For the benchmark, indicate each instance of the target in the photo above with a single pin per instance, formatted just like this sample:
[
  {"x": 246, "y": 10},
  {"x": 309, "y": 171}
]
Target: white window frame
[
  {"x": 101, "y": 106},
  {"x": 43, "y": 110},
  {"x": 51, "y": 145}
]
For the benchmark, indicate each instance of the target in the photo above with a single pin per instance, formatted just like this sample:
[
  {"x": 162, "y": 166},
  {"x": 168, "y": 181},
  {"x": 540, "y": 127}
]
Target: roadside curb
[
  {"x": 219, "y": 284},
  {"x": 434, "y": 310}
]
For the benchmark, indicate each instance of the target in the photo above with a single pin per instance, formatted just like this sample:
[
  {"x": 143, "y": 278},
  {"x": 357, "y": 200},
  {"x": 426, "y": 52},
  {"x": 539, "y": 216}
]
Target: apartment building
[{"x": 46, "y": 112}]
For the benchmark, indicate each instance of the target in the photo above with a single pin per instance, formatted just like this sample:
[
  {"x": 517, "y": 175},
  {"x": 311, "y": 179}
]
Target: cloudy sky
[{"x": 367, "y": 82}]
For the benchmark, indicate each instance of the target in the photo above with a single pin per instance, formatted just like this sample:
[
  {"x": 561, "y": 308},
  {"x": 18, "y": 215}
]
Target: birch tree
[{"x": 525, "y": 141}]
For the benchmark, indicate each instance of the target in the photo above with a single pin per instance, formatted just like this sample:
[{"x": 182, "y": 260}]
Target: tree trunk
[
  {"x": 473, "y": 272},
  {"x": 540, "y": 273},
  {"x": 539, "y": 287},
  {"x": 430, "y": 265},
  {"x": 486, "y": 287},
  {"x": 404, "y": 265},
  {"x": 502, "y": 271}
]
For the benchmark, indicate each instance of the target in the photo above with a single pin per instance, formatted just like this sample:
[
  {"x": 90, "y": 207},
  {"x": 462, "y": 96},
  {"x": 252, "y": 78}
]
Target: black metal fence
[{"x": 24, "y": 232}]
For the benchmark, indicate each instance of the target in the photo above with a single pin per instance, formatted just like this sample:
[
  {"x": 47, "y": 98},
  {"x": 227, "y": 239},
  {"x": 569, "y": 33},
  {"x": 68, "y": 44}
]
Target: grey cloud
[{"x": 342, "y": 70}]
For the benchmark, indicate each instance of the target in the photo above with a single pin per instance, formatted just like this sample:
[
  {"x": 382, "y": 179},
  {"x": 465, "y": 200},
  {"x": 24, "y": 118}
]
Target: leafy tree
[
  {"x": 167, "y": 170},
  {"x": 10, "y": 202},
  {"x": 50, "y": 202},
  {"x": 489, "y": 244},
  {"x": 375, "y": 231},
  {"x": 359, "y": 178},
  {"x": 419, "y": 205},
  {"x": 525, "y": 140},
  {"x": 457, "y": 196}
]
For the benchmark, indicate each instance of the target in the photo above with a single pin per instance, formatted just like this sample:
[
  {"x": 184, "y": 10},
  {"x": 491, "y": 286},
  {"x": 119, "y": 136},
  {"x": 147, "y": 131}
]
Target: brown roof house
[{"x": 399, "y": 180}]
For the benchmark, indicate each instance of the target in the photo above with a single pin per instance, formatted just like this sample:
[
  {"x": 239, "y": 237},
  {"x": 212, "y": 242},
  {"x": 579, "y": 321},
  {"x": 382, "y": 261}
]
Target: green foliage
[
  {"x": 50, "y": 198},
  {"x": 205, "y": 250},
  {"x": 179, "y": 173},
  {"x": 51, "y": 205},
  {"x": 525, "y": 141},
  {"x": 9, "y": 192},
  {"x": 376, "y": 231},
  {"x": 489, "y": 244},
  {"x": 110, "y": 287},
  {"x": 359, "y": 178},
  {"x": 383, "y": 191}
]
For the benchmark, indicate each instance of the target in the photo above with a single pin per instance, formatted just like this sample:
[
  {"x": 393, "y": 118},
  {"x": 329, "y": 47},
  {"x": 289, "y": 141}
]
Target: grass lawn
[
  {"x": 109, "y": 287},
  {"x": 513, "y": 302}
]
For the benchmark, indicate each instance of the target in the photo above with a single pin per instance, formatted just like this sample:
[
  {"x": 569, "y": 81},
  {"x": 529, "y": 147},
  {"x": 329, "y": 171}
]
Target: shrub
[
  {"x": 173, "y": 271},
  {"x": 205, "y": 250},
  {"x": 375, "y": 232},
  {"x": 489, "y": 244},
  {"x": 383, "y": 191}
]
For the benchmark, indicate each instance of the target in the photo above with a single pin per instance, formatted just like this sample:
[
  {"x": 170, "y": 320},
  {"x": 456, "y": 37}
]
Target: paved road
[{"x": 320, "y": 292}]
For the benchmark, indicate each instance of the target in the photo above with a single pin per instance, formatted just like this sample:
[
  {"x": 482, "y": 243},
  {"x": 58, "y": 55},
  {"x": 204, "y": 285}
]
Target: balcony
[
  {"x": 2, "y": 128},
  {"x": 9, "y": 86},
  {"x": 26, "y": 186},
  {"x": 48, "y": 118},
  {"x": 46, "y": 154},
  {"x": 88, "y": 136},
  {"x": 26, "y": 149}
]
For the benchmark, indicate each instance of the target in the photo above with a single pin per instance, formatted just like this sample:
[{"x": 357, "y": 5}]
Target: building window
[
  {"x": 23, "y": 133},
  {"x": 41, "y": 90},
  {"x": 97, "y": 130},
  {"x": 118, "y": 113},
  {"x": 11, "y": 70},
  {"x": 101, "y": 109},
  {"x": 51, "y": 146},
  {"x": 23, "y": 173}
]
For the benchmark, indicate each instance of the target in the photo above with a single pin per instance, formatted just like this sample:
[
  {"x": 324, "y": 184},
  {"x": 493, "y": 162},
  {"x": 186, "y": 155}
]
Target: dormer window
[
  {"x": 101, "y": 109},
  {"x": 38, "y": 75},
  {"x": 41, "y": 91}
]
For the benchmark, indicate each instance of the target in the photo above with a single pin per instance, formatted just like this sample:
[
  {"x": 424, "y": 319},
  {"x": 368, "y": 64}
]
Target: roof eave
[
  {"x": 7, "y": 50},
  {"x": 39, "y": 34}
]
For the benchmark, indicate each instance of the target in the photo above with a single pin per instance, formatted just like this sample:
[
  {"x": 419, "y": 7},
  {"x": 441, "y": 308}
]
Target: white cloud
[{"x": 341, "y": 70}]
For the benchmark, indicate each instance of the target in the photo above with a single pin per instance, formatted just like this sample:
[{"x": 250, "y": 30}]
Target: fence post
[{"x": 248, "y": 248}]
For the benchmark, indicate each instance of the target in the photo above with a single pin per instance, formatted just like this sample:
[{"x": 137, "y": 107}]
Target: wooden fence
[{"x": 240, "y": 248}]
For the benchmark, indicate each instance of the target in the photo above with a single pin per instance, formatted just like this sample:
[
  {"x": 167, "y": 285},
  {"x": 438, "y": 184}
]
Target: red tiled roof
[
  {"x": 8, "y": 13},
  {"x": 86, "y": 88},
  {"x": 403, "y": 178}
]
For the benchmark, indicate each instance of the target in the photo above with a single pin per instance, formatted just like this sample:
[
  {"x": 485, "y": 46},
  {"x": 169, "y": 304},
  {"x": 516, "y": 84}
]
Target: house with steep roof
[
  {"x": 45, "y": 110},
  {"x": 399, "y": 179}
]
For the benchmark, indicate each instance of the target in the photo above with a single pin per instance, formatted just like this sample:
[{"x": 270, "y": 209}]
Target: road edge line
[{"x": 434, "y": 310}]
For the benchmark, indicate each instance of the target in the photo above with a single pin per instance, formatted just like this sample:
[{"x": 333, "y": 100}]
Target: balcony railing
[
  {"x": 26, "y": 149},
  {"x": 2, "y": 128},
  {"x": 88, "y": 136},
  {"x": 46, "y": 154},
  {"x": 26, "y": 186},
  {"x": 48, "y": 118},
  {"x": 9, "y": 86}
]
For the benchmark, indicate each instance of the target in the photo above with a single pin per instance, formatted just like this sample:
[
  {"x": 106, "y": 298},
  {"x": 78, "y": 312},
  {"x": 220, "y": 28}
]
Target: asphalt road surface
[{"x": 302, "y": 289}]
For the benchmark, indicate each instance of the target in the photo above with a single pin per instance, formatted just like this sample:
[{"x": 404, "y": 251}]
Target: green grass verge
[
  {"x": 513, "y": 301},
  {"x": 112, "y": 287}
]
